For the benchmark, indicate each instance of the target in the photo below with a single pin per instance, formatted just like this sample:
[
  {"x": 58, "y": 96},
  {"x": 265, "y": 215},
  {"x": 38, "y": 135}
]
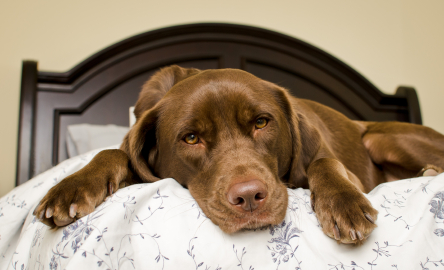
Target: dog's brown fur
[{"x": 238, "y": 170}]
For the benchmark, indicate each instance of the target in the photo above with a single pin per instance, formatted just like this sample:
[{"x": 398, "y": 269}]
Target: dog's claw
[
  {"x": 336, "y": 232},
  {"x": 49, "y": 212},
  {"x": 352, "y": 234},
  {"x": 360, "y": 236},
  {"x": 110, "y": 188},
  {"x": 73, "y": 210},
  {"x": 369, "y": 218}
]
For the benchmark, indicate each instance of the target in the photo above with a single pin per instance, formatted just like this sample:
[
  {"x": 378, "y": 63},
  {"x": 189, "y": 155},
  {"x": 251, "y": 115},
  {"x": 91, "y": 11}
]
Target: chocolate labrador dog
[{"x": 237, "y": 142}]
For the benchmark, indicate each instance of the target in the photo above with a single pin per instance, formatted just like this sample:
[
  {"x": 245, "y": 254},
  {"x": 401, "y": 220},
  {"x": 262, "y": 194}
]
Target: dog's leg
[
  {"x": 80, "y": 193},
  {"x": 404, "y": 150},
  {"x": 343, "y": 211}
]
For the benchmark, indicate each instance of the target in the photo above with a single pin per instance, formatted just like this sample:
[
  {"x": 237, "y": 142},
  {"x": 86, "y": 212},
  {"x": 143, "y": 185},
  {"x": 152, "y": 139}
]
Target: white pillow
[{"x": 83, "y": 138}]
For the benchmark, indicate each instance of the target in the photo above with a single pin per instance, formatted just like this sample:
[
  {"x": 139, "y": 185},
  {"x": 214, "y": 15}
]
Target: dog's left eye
[
  {"x": 191, "y": 138},
  {"x": 261, "y": 123}
]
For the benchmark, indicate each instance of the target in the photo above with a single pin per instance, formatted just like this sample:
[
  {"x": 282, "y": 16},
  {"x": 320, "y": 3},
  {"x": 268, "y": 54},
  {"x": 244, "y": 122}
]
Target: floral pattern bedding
[{"x": 160, "y": 226}]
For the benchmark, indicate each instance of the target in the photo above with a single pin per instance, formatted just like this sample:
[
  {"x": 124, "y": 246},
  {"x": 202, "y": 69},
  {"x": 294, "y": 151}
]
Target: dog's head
[{"x": 226, "y": 135}]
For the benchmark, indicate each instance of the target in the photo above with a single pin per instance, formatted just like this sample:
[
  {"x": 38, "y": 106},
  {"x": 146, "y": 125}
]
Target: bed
[{"x": 159, "y": 225}]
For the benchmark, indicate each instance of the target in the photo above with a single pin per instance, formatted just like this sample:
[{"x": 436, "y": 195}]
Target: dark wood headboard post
[
  {"x": 26, "y": 127},
  {"x": 412, "y": 103}
]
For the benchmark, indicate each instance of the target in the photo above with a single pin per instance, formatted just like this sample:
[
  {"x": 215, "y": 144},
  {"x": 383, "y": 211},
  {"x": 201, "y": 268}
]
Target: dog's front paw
[
  {"x": 74, "y": 197},
  {"x": 347, "y": 216}
]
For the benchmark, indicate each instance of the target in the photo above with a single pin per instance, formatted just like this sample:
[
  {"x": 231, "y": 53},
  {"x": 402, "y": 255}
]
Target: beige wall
[{"x": 390, "y": 42}]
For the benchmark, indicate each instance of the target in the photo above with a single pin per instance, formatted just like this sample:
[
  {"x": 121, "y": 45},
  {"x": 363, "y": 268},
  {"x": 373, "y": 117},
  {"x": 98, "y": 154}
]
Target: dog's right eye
[
  {"x": 261, "y": 123},
  {"x": 191, "y": 139}
]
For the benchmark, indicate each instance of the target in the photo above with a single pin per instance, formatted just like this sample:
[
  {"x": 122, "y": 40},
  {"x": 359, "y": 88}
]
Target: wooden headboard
[{"x": 100, "y": 89}]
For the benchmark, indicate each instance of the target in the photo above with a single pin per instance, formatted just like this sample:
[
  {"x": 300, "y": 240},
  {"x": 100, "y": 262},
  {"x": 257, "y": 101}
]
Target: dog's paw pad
[{"x": 430, "y": 170}]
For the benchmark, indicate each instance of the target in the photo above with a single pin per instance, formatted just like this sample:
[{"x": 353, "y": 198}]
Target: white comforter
[{"x": 160, "y": 226}]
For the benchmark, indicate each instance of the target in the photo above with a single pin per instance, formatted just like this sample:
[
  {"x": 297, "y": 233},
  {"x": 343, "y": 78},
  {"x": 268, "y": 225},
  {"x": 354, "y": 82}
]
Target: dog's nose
[{"x": 248, "y": 195}]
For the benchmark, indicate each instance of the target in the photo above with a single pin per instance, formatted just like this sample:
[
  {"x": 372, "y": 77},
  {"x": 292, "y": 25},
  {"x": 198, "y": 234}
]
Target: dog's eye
[
  {"x": 191, "y": 139},
  {"x": 261, "y": 123}
]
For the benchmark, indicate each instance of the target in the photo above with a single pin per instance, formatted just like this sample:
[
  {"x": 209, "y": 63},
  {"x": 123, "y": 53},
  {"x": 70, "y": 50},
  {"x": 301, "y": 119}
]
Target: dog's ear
[
  {"x": 158, "y": 85},
  {"x": 306, "y": 145},
  {"x": 140, "y": 143},
  {"x": 305, "y": 140}
]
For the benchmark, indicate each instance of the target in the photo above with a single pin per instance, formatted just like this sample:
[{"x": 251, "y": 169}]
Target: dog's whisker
[
  {"x": 197, "y": 229},
  {"x": 181, "y": 204}
]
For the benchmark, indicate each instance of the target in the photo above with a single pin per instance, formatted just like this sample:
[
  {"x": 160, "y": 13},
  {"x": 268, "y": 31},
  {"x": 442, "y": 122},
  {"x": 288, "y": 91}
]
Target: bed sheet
[{"x": 160, "y": 226}]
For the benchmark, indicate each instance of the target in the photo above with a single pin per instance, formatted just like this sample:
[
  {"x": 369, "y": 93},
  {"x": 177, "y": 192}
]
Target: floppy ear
[
  {"x": 140, "y": 143},
  {"x": 306, "y": 145},
  {"x": 305, "y": 139},
  {"x": 158, "y": 85}
]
